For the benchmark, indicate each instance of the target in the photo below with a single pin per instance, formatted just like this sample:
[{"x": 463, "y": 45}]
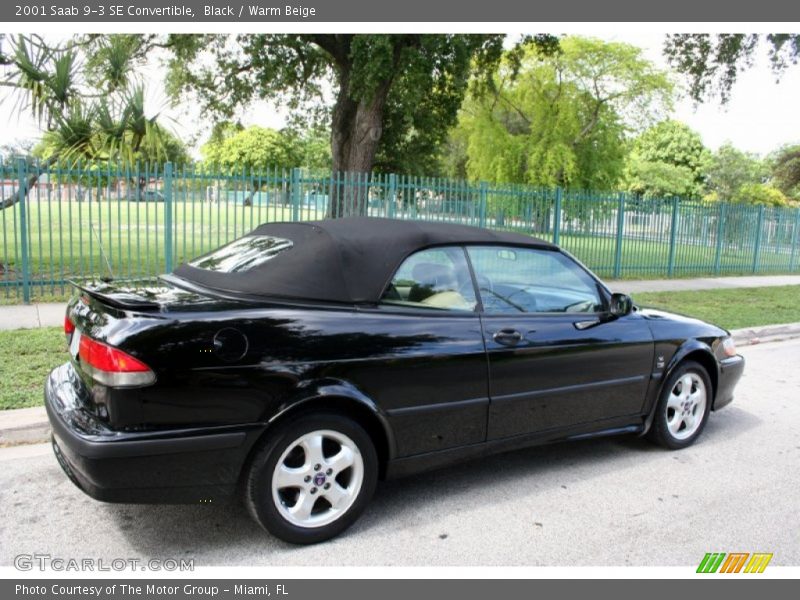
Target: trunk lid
[{"x": 148, "y": 296}]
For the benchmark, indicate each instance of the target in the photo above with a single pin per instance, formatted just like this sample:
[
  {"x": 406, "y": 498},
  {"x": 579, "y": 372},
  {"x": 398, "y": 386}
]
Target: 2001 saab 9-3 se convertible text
[{"x": 301, "y": 363}]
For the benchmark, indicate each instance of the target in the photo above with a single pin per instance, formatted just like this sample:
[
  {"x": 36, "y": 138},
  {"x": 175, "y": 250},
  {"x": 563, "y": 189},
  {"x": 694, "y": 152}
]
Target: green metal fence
[{"x": 66, "y": 222}]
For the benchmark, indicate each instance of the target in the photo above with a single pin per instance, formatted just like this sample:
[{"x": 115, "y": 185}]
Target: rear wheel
[
  {"x": 683, "y": 408},
  {"x": 313, "y": 479}
]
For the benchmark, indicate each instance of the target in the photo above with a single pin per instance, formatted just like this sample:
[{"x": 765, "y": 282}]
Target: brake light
[
  {"x": 69, "y": 326},
  {"x": 111, "y": 366}
]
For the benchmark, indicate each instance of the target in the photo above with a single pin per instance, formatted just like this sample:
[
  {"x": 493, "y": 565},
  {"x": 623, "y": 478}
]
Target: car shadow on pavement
[
  {"x": 208, "y": 532},
  {"x": 543, "y": 466}
]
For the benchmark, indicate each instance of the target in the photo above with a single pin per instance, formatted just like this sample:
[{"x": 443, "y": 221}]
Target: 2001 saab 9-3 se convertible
[{"x": 301, "y": 363}]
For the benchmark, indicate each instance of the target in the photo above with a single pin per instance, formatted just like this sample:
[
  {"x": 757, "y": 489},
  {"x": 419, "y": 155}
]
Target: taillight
[
  {"x": 69, "y": 326},
  {"x": 111, "y": 366}
]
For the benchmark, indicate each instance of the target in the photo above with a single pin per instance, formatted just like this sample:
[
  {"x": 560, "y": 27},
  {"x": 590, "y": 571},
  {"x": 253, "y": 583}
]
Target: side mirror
[{"x": 621, "y": 305}]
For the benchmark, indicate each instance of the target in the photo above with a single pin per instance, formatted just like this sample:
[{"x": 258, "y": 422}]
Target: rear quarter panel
[{"x": 397, "y": 363}]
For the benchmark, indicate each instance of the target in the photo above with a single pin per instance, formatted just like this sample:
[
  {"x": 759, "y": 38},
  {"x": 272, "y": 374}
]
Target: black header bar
[{"x": 441, "y": 11}]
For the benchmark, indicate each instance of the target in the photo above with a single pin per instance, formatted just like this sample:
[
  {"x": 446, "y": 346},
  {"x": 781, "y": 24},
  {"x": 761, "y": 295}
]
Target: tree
[
  {"x": 254, "y": 149},
  {"x": 785, "y": 165},
  {"x": 712, "y": 63},
  {"x": 454, "y": 152},
  {"x": 560, "y": 118},
  {"x": 259, "y": 149},
  {"x": 53, "y": 147},
  {"x": 657, "y": 179},
  {"x": 760, "y": 193},
  {"x": 395, "y": 96},
  {"x": 668, "y": 159},
  {"x": 57, "y": 85},
  {"x": 314, "y": 148},
  {"x": 730, "y": 169}
]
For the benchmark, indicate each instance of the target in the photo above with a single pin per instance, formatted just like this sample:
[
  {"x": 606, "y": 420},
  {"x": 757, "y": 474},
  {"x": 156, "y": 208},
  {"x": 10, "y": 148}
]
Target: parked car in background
[
  {"x": 144, "y": 196},
  {"x": 303, "y": 362}
]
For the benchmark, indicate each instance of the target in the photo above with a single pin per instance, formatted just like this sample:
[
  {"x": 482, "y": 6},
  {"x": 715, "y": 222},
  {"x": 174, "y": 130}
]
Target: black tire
[
  {"x": 660, "y": 432},
  {"x": 258, "y": 491}
]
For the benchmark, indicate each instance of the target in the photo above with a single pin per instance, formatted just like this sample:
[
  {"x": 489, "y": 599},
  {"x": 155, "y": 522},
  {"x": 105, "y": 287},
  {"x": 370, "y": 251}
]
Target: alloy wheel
[
  {"x": 686, "y": 406},
  {"x": 317, "y": 478}
]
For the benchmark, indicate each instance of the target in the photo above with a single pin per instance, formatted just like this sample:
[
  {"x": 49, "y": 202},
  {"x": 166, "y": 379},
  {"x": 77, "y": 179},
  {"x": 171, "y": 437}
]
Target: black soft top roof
[{"x": 343, "y": 260}]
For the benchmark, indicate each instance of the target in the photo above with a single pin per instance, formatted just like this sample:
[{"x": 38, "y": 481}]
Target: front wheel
[
  {"x": 313, "y": 479},
  {"x": 683, "y": 407}
]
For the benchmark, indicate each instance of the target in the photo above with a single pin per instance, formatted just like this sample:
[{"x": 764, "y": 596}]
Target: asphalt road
[{"x": 604, "y": 502}]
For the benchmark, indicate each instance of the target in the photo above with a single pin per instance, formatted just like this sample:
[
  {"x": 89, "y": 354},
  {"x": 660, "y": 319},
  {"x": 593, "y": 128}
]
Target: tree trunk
[
  {"x": 356, "y": 129},
  {"x": 356, "y": 133},
  {"x": 357, "y": 124},
  {"x": 11, "y": 200},
  {"x": 33, "y": 178}
]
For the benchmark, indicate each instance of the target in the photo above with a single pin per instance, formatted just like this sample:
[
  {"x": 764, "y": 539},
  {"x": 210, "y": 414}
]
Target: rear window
[{"x": 242, "y": 254}]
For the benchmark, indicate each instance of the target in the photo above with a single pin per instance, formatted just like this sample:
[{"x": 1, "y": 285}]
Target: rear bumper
[
  {"x": 172, "y": 466},
  {"x": 730, "y": 371}
]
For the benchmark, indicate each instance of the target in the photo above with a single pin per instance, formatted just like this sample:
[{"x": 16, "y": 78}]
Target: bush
[{"x": 760, "y": 193}]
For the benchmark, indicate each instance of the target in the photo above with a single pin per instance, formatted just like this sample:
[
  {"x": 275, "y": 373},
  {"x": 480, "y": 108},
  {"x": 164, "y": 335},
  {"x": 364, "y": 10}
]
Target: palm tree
[{"x": 86, "y": 99}]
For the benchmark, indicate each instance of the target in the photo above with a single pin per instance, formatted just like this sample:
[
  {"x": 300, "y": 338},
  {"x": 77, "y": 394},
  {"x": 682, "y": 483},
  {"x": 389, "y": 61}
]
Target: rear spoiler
[{"x": 119, "y": 295}]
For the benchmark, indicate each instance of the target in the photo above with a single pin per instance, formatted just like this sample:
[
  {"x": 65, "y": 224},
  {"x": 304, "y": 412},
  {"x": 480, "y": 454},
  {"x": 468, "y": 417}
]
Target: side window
[
  {"x": 514, "y": 280},
  {"x": 437, "y": 278}
]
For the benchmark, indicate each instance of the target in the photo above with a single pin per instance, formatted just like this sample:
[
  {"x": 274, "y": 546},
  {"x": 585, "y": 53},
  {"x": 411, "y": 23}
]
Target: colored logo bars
[{"x": 734, "y": 562}]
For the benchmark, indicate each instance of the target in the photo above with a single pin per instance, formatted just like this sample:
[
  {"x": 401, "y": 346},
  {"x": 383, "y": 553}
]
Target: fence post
[
  {"x": 295, "y": 192},
  {"x": 723, "y": 209},
  {"x": 22, "y": 185},
  {"x": 557, "y": 216},
  {"x": 392, "y": 195},
  {"x": 673, "y": 232},
  {"x": 168, "y": 224},
  {"x": 759, "y": 227},
  {"x": 792, "y": 264},
  {"x": 620, "y": 227},
  {"x": 483, "y": 203}
]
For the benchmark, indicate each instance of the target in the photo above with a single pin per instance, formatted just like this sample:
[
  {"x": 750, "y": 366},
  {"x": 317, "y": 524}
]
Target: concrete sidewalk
[
  {"x": 703, "y": 283},
  {"x": 28, "y": 316},
  {"x": 52, "y": 315}
]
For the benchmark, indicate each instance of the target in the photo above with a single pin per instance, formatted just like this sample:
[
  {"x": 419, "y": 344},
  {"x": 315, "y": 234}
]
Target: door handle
[
  {"x": 581, "y": 325},
  {"x": 507, "y": 337}
]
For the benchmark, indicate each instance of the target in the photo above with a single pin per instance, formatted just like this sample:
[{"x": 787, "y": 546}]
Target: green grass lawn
[
  {"x": 731, "y": 308},
  {"x": 26, "y": 357},
  {"x": 70, "y": 238},
  {"x": 649, "y": 259}
]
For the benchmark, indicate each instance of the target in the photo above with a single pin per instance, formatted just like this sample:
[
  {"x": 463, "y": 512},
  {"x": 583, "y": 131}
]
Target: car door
[
  {"x": 433, "y": 385},
  {"x": 556, "y": 359}
]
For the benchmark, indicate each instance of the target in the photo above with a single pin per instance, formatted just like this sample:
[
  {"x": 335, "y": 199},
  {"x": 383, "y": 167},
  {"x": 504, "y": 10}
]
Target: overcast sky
[{"x": 761, "y": 115}]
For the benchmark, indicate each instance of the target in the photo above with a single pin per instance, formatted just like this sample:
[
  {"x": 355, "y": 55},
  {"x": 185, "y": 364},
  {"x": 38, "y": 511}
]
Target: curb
[
  {"x": 24, "y": 426},
  {"x": 30, "y": 425},
  {"x": 761, "y": 335}
]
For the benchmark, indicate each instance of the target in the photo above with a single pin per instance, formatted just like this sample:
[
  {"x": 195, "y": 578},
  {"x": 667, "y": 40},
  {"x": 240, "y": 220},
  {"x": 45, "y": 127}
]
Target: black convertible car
[{"x": 301, "y": 363}]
